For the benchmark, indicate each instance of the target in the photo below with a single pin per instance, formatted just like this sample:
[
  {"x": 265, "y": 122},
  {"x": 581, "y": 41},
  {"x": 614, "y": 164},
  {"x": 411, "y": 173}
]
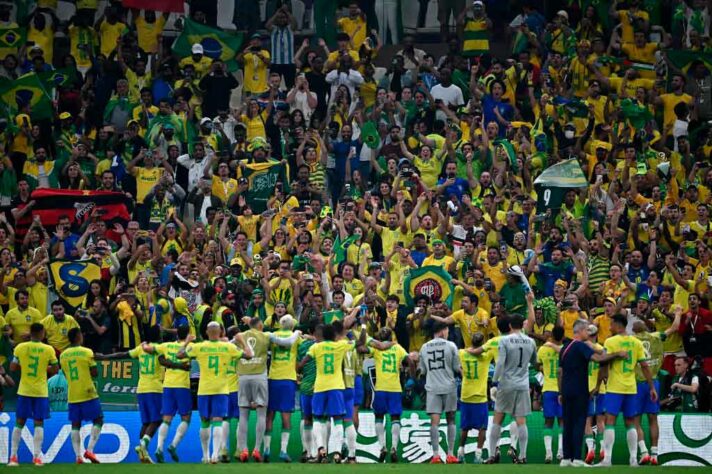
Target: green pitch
[{"x": 294, "y": 468}]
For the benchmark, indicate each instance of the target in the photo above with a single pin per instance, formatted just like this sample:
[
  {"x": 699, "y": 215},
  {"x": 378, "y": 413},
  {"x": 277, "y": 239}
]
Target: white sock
[
  {"x": 609, "y": 438},
  {"x": 494, "y": 438},
  {"x": 395, "y": 434},
  {"x": 631, "y": 437},
  {"x": 653, "y": 450},
  {"x": 319, "y": 430},
  {"x": 145, "y": 441},
  {"x": 560, "y": 445},
  {"x": 337, "y": 434},
  {"x": 94, "y": 437},
  {"x": 451, "y": 434},
  {"x": 590, "y": 443},
  {"x": 16, "y": 437},
  {"x": 260, "y": 427},
  {"x": 38, "y": 439},
  {"x": 242, "y": 428},
  {"x": 351, "y": 440},
  {"x": 435, "y": 439},
  {"x": 162, "y": 435},
  {"x": 76, "y": 443},
  {"x": 642, "y": 447},
  {"x": 381, "y": 434},
  {"x": 205, "y": 441},
  {"x": 217, "y": 439},
  {"x": 225, "y": 435},
  {"x": 523, "y": 440},
  {"x": 547, "y": 445},
  {"x": 303, "y": 436},
  {"x": 180, "y": 433},
  {"x": 267, "y": 440},
  {"x": 478, "y": 453},
  {"x": 284, "y": 442},
  {"x": 513, "y": 434},
  {"x": 308, "y": 440}
]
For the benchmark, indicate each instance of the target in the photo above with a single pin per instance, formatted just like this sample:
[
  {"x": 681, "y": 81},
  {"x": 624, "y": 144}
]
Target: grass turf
[{"x": 274, "y": 468}]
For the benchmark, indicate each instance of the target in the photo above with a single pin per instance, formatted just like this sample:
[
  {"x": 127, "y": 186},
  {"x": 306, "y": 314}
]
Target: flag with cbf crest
[
  {"x": 215, "y": 43},
  {"x": 431, "y": 281},
  {"x": 71, "y": 279}
]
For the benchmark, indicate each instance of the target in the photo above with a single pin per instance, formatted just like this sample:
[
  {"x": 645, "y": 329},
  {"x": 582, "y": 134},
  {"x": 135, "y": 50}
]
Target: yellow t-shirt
[
  {"x": 329, "y": 357},
  {"x": 202, "y": 66},
  {"x": 469, "y": 324},
  {"x": 255, "y": 74},
  {"x": 568, "y": 318},
  {"x": 174, "y": 378},
  {"x": 669, "y": 102},
  {"x": 603, "y": 322},
  {"x": 44, "y": 39},
  {"x": 627, "y": 29},
  {"x": 387, "y": 365},
  {"x": 549, "y": 359},
  {"x": 621, "y": 372},
  {"x": 224, "y": 189},
  {"x": 255, "y": 125},
  {"x": 39, "y": 295},
  {"x": 593, "y": 368},
  {"x": 150, "y": 373},
  {"x": 284, "y": 359},
  {"x": 76, "y": 363},
  {"x": 356, "y": 29},
  {"x": 214, "y": 359},
  {"x": 148, "y": 33},
  {"x": 82, "y": 43},
  {"x": 248, "y": 224},
  {"x": 475, "y": 369},
  {"x": 616, "y": 84},
  {"x": 109, "y": 34},
  {"x": 146, "y": 179},
  {"x": 34, "y": 359},
  {"x": 20, "y": 322},
  {"x": 445, "y": 261},
  {"x": 645, "y": 55},
  {"x": 429, "y": 170},
  {"x": 21, "y": 142},
  {"x": 354, "y": 287},
  {"x": 57, "y": 331}
]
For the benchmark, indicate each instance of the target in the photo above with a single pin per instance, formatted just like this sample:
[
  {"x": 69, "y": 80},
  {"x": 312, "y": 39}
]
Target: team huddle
[{"x": 262, "y": 371}]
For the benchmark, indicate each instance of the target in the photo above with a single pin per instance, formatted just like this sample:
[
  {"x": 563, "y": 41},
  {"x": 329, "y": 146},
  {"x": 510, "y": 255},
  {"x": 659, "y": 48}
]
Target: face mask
[{"x": 569, "y": 134}]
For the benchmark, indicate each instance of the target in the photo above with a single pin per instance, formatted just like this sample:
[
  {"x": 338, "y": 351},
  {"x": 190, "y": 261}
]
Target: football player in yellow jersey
[
  {"x": 549, "y": 362},
  {"x": 35, "y": 361},
  {"x": 328, "y": 398},
  {"x": 176, "y": 391},
  {"x": 473, "y": 396},
  {"x": 622, "y": 388},
  {"x": 213, "y": 357},
  {"x": 149, "y": 390},
  {"x": 79, "y": 368},
  {"x": 282, "y": 386},
  {"x": 387, "y": 397},
  {"x": 470, "y": 319}
]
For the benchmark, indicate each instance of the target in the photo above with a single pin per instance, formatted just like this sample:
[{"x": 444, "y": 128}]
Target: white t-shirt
[{"x": 451, "y": 95}]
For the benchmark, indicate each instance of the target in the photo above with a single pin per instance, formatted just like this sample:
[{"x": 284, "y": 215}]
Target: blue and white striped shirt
[{"x": 282, "y": 41}]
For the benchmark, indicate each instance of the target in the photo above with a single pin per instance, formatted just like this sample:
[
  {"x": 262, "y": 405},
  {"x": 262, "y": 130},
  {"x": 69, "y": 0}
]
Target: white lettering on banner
[{"x": 264, "y": 182}]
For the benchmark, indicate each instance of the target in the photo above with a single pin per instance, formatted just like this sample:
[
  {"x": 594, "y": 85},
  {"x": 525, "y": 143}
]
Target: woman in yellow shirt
[{"x": 255, "y": 120}]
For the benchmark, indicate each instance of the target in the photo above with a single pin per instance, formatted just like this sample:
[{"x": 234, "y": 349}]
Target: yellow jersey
[
  {"x": 146, "y": 179},
  {"x": 34, "y": 359},
  {"x": 549, "y": 359},
  {"x": 475, "y": 369},
  {"x": 148, "y": 33},
  {"x": 387, "y": 365},
  {"x": 108, "y": 35},
  {"x": 150, "y": 372},
  {"x": 57, "y": 331},
  {"x": 355, "y": 28},
  {"x": 493, "y": 346},
  {"x": 621, "y": 372},
  {"x": 329, "y": 357},
  {"x": 603, "y": 323},
  {"x": 223, "y": 189},
  {"x": 20, "y": 322},
  {"x": 470, "y": 324},
  {"x": 214, "y": 359},
  {"x": 233, "y": 380},
  {"x": 174, "y": 378},
  {"x": 248, "y": 224},
  {"x": 76, "y": 363},
  {"x": 284, "y": 359},
  {"x": 255, "y": 72},
  {"x": 593, "y": 368},
  {"x": 444, "y": 262}
]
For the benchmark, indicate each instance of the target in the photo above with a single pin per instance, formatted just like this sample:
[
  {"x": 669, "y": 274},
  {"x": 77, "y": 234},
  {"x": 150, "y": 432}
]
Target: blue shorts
[
  {"x": 233, "y": 405},
  {"x": 551, "y": 405},
  {"x": 305, "y": 403},
  {"x": 32, "y": 408},
  {"x": 597, "y": 405},
  {"x": 176, "y": 400},
  {"x": 349, "y": 403},
  {"x": 88, "y": 410},
  {"x": 329, "y": 403},
  {"x": 212, "y": 406},
  {"x": 281, "y": 395},
  {"x": 149, "y": 405},
  {"x": 388, "y": 403},
  {"x": 644, "y": 404},
  {"x": 473, "y": 416},
  {"x": 358, "y": 391},
  {"x": 621, "y": 402}
]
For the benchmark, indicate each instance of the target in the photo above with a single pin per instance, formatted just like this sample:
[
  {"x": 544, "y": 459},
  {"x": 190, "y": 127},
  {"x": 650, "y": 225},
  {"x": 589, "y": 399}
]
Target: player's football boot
[
  {"x": 653, "y": 460},
  {"x": 492, "y": 459},
  {"x": 590, "y": 457},
  {"x": 436, "y": 460},
  {"x": 256, "y": 455},
  {"x": 644, "y": 460},
  {"x": 284, "y": 457},
  {"x": 394, "y": 456},
  {"x": 91, "y": 457},
  {"x": 450, "y": 459},
  {"x": 159, "y": 456},
  {"x": 244, "y": 456},
  {"x": 38, "y": 462},
  {"x": 173, "y": 452},
  {"x": 382, "y": 456},
  {"x": 13, "y": 462}
]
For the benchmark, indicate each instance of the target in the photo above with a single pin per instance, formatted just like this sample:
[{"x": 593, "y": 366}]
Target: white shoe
[
  {"x": 565, "y": 463},
  {"x": 579, "y": 463},
  {"x": 633, "y": 462},
  {"x": 604, "y": 463}
]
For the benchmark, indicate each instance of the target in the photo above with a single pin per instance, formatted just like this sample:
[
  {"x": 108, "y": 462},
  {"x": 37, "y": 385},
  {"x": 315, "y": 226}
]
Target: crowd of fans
[{"x": 428, "y": 161}]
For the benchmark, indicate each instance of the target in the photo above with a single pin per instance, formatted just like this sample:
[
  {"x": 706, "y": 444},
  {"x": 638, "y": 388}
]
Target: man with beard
[
  {"x": 193, "y": 163},
  {"x": 41, "y": 173},
  {"x": 548, "y": 273}
]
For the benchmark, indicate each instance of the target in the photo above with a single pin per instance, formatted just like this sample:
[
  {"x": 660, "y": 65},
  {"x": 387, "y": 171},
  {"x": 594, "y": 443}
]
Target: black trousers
[{"x": 575, "y": 409}]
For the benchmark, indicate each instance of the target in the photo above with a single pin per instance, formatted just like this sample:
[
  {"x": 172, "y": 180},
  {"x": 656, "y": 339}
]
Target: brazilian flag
[
  {"x": 72, "y": 278},
  {"x": 58, "y": 78},
  {"x": 24, "y": 89},
  {"x": 11, "y": 39},
  {"x": 340, "y": 247},
  {"x": 432, "y": 281},
  {"x": 683, "y": 59},
  {"x": 216, "y": 43}
]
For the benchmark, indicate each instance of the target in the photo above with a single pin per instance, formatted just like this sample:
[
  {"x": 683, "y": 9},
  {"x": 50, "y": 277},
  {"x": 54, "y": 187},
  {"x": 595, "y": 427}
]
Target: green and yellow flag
[
  {"x": 684, "y": 59},
  {"x": 261, "y": 181},
  {"x": 341, "y": 246},
  {"x": 57, "y": 78},
  {"x": 11, "y": 39},
  {"x": 431, "y": 281},
  {"x": 24, "y": 89},
  {"x": 71, "y": 279},
  {"x": 216, "y": 43}
]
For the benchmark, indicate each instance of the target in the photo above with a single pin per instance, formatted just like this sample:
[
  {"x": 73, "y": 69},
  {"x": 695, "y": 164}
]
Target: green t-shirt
[
  {"x": 306, "y": 385},
  {"x": 653, "y": 346},
  {"x": 58, "y": 392},
  {"x": 514, "y": 299}
]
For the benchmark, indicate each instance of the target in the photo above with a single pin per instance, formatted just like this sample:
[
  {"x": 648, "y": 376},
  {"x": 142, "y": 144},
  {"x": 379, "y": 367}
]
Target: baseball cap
[
  {"x": 65, "y": 115},
  {"x": 205, "y": 120},
  {"x": 235, "y": 262},
  {"x": 563, "y": 13},
  {"x": 611, "y": 300},
  {"x": 197, "y": 48}
]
